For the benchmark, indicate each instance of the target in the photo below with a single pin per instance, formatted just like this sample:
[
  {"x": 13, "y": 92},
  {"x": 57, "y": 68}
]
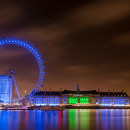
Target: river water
[{"x": 72, "y": 119}]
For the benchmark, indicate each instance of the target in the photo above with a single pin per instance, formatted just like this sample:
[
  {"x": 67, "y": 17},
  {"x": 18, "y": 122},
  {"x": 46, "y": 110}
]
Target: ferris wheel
[{"x": 36, "y": 54}]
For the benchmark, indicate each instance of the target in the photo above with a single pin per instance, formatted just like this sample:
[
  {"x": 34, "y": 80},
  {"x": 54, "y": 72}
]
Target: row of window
[
  {"x": 47, "y": 100},
  {"x": 116, "y": 100}
]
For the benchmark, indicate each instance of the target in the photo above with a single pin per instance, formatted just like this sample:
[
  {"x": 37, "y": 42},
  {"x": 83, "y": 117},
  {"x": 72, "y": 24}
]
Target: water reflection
[
  {"x": 115, "y": 119},
  {"x": 73, "y": 119}
]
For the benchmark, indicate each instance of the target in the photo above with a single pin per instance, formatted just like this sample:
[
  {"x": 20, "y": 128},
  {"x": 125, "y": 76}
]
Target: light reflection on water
[{"x": 73, "y": 119}]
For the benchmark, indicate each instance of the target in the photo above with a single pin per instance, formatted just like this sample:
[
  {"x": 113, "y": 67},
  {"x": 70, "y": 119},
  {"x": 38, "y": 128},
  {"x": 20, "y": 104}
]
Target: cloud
[
  {"x": 123, "y": 39},
  {"x": 4, "y": 54},
  {"x": 9, "y": 13},
  {"x": 78, "y": 69},
  {"x": 76, "y": 42},
  {"x": 98, "y": 13}
]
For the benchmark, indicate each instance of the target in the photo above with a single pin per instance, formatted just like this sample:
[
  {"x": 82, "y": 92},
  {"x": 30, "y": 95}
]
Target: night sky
[{"x": 85, "y": 42}]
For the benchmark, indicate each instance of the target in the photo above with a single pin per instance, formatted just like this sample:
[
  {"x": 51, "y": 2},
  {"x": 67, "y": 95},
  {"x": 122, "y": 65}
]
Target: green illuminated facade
[
  {"x": 81, "y": 100},
  {"x": 73, "y": 100},
  {"x": 84, "y": 100}
]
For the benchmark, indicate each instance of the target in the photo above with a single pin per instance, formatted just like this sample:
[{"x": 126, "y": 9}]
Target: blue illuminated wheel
[{"x": 38, "y": 57}]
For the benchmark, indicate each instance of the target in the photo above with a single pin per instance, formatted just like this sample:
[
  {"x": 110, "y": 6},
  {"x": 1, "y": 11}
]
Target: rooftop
[
  {"x": 79, "y": 92},
  {"x": 47, "y": 93},
  {"x": 114, "y": 94}
]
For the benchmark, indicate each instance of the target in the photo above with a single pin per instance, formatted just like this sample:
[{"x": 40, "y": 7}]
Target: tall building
[
  {"x": 8, "y": 89},
  {"x": 5, "y": 89}
]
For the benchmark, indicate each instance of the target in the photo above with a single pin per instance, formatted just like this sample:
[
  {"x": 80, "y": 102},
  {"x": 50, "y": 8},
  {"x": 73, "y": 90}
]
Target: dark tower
[{"x": 78, "y": 90}]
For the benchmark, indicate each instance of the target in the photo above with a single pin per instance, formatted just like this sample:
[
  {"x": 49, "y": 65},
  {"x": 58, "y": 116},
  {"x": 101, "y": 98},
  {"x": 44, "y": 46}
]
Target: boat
[
  {"x": 51, "y": 108},
  {"x": 2, "y": 107}
]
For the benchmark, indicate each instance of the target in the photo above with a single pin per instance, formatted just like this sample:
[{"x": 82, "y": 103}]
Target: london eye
[{"x": 36, "y": 54}]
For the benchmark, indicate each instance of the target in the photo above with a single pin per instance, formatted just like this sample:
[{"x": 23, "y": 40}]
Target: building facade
[
  {"x": 79, "y": 97},
  {"x": 66, "y": 97},
  {"x": 5, "y": 89},
  {"x": 114, "y": 99},
  {"x": 44, "y": 98}
]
